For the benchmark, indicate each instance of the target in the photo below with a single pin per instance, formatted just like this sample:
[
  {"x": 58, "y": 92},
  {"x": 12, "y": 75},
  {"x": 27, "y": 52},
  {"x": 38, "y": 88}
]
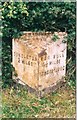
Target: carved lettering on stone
[{"x": 39, "y": 62}]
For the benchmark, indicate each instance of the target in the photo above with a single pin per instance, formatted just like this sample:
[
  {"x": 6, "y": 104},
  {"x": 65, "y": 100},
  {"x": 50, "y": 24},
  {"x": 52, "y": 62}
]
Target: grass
[{"x": 18, "y": 103}]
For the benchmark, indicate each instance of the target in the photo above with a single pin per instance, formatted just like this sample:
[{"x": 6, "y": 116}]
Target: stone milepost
[{"x": 39, "y": 61}]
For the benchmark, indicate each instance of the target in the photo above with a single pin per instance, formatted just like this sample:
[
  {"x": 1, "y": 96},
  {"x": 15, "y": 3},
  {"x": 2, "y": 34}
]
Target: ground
[{"x": 18, "y": 103}]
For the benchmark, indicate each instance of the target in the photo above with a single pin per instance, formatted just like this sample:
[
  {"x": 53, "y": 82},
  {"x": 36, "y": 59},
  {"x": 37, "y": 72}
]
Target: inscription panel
[
  {"x": 25, "y": 63},
  {"x": 53, "y": 68}
]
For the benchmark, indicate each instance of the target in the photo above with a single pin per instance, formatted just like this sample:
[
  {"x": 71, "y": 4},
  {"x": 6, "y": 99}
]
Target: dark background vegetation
[{"x": 37, "y": 16}]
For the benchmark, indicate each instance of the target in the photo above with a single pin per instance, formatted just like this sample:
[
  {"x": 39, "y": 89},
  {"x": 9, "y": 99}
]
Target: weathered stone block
[{"x": 39, "y": 61}]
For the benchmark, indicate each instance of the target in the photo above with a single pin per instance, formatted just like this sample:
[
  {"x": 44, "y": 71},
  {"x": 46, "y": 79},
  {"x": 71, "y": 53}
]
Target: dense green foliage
[
  {"x": 13, "y": 15},
  {"x": 36, "y": 16}
]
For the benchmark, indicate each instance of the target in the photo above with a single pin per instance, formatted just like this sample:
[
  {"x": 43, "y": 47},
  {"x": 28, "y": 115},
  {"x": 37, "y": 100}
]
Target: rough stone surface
[{"x": 39, "y": 61}]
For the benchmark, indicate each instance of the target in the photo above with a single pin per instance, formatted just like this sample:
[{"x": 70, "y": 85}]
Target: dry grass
[{"x": 17, "y": 103}]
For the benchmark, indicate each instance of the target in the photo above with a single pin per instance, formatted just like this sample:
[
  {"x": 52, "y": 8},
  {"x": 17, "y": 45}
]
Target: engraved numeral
[
  {"x": 50, "y": 63},
  {"x": 54, "y": 56}
]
